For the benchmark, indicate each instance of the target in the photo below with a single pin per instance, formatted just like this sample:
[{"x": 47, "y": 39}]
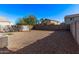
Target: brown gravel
[
  {"x": 21, "y": 39},
  {"x": 56, "y": 42},
  {"x": 44, "y": 42}
]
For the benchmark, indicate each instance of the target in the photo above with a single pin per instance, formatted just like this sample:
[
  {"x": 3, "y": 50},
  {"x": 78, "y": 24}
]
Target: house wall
[
  {"x": 4, "y": 23},
  {"x": 3, "y": 26},
  {"x": 69, "y": 21},
  {"x": 73, "y": 21},
  {"x": 56, "y": 23}
]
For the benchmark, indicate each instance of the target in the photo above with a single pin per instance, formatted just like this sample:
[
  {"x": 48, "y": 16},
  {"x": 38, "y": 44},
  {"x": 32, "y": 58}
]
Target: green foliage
[
  {"x": 30, "y": 20},
  {"x": 21, "y": 22}
]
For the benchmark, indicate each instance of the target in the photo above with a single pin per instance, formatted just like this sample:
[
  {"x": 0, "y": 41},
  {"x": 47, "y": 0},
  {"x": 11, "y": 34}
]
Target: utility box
[{"x": 3, "y": 41}]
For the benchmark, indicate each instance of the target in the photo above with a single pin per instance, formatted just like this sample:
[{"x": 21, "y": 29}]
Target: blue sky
[{"x": 52, "y": 11}]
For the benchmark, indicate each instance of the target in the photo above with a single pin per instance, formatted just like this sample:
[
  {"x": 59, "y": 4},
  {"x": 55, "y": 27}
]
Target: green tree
[
  {"x": 30, "y": 20},
  {"x": 21, "y": 22}
]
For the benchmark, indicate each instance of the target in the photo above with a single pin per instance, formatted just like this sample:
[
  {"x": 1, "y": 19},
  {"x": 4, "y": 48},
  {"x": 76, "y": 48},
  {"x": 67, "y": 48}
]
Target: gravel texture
[{"x": 41, "y": 42}]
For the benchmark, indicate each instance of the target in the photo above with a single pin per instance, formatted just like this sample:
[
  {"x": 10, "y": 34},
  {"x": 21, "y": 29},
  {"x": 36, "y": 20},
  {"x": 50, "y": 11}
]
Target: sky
[{"x": 51, "y": 11}]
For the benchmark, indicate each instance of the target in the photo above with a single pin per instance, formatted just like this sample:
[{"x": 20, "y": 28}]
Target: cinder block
[
  {"x": 3, "y": 41},
  {"x": 74, "y": 27}
]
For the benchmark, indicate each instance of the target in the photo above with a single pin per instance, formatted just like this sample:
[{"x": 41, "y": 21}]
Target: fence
[
  {"x": 3, "y": 41},
  {"x": 51, "y": 27},
  {"x": 74, "y": 28}
]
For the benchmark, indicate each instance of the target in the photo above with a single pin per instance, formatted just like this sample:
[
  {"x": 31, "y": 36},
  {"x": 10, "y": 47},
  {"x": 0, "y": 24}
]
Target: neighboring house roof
[
  {"x": 3, "y": 19},
  {"x": 52, "y": 20},
  {"x": 48, "y": 20},
  {"x": 73, "y": 15}
]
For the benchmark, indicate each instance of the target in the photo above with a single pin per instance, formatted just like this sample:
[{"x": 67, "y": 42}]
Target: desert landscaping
[
  {"x": 38, "y": 41},
  {"x": 39, "y": 34},
  {"x": 19, "y": 40}
]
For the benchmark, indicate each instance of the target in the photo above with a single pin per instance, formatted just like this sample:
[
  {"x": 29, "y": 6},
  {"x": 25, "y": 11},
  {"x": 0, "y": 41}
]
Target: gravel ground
[
  {"x": 21, "y": 39},
  {"x": 58, "y": 42},
  {"x": 44, "y": 42}
]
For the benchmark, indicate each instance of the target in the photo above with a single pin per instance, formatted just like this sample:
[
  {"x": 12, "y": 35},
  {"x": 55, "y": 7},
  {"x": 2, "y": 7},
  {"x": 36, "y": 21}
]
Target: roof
[
  {"x": 73, "y": 15},
  {"x": 55, "y": 20},
  {"x": 51, "y": 20},
  {"x": 3, "y": 19}
]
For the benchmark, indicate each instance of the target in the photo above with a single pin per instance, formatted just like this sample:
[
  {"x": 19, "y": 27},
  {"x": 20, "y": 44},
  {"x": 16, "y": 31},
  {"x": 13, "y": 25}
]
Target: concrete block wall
[
  {"x": 3, "y": 41},
  {"x": 74, "y": 28},
  {"x": 51, "y": 27}
]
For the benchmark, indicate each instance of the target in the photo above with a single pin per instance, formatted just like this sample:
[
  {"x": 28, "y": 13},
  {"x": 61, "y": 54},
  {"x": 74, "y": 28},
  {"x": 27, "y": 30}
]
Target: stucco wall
[
  {"x": 3, "y": 41},
  {"x": 68, "y": 21},
  {"x": 77, "y": 31},
  {"x": 51, "y": 27},
  {"x": 74, "y": 27},
  {"x": 3, "y": 26},
  {"x": 4, "y": 23}
]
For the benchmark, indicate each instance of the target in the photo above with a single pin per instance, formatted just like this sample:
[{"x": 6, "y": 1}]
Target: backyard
[
  {"x": 19, "y": 40},
  {"x": 37, "y": 41}
]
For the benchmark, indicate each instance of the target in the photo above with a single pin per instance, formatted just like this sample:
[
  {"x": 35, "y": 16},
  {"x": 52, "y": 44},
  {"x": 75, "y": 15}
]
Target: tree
[
  {"x": 30, "y": 20},
  {"x": 21, "y": 22}
]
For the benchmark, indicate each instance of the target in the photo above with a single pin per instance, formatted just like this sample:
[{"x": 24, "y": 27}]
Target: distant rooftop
[
  {"x": 3, "y": 19},
  {"x": 73, "y": 15},
  {"x": 51, "y": 20}
]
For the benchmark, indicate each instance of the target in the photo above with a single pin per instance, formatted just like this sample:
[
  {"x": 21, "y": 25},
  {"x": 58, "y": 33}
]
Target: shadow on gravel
[
  {"x": 5, "y": 51},
  {"x": 59, "y": 42}
]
